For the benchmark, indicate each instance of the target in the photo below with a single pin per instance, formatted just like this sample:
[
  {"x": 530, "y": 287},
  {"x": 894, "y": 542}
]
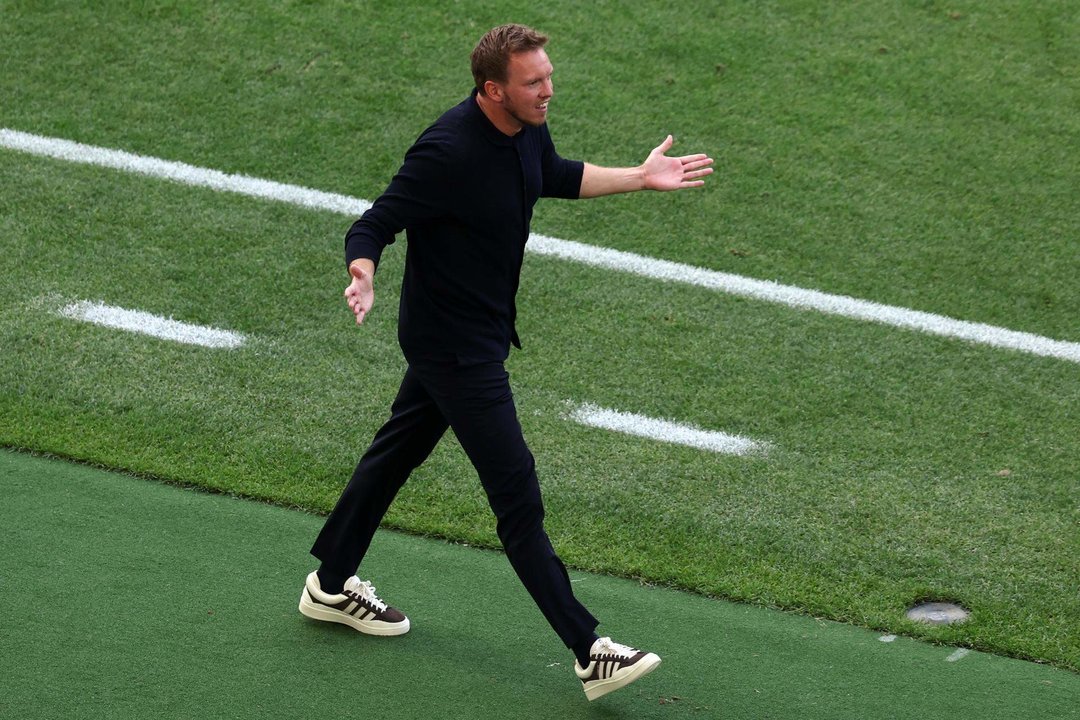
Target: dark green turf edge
[{"x": 124, "y": 598}]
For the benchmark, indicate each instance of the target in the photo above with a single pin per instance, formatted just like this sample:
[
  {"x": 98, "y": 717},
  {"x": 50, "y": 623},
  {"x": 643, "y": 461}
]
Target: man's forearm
[
  {"x": 658, "y": 172},
  {"x": 597, "y": 181}
]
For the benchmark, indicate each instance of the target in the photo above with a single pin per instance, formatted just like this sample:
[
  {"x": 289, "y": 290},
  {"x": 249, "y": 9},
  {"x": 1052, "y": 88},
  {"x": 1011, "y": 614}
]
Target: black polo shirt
[{"x": 464, "y": 196}]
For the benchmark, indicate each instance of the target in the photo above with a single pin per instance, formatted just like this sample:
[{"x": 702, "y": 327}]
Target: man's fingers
[
  {"x": 666, "y": 145},
  {"x": 358, "y": 310},
  {"x": 696, "y": 165}
]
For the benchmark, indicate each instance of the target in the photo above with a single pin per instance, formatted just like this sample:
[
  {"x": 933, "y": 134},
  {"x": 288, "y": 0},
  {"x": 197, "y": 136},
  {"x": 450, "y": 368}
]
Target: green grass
[{"x": 917, "y": 155}]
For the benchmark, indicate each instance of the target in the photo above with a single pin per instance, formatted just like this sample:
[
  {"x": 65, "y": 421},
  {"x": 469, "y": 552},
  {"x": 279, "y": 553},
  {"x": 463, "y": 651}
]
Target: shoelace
[
  {"x": 367, "y": 591},
  {"x": 604, "y": 647}
]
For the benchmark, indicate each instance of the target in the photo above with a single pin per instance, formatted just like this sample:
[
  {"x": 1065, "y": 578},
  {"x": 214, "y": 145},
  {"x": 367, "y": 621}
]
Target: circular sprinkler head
[{"x": 937, "y": 613}]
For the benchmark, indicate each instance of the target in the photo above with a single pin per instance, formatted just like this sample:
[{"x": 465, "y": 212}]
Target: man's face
[{"x": 528, "y": 88}]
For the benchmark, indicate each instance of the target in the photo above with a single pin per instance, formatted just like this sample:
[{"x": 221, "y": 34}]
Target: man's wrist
[{"x": 367, "y": 265}]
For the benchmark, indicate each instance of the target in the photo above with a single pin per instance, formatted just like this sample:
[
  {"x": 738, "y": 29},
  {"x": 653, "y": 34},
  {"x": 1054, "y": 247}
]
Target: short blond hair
[{"x": 491, "y": 56}]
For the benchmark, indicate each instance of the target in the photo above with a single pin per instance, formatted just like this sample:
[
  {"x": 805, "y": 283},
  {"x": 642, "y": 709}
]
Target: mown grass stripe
[
  {"x": 666, "y": 431},
  {"x": 148, "y": 324},
  {"x": 592, "y": 255}
]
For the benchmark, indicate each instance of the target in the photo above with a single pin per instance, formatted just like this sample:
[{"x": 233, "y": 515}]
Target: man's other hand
[{"x": 360, "y": 295}]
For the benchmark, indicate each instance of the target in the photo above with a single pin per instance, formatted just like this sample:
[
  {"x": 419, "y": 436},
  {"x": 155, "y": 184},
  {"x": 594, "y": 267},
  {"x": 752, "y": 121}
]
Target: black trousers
[{"x": 476, "y": 401}]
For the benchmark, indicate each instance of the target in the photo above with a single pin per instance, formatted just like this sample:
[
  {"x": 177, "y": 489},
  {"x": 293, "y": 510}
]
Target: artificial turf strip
[{"x": 128, "y": 598}]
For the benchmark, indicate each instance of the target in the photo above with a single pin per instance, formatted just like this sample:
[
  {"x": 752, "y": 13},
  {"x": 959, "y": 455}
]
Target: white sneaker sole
[
  {"x": 315, "y": 611},
  {"x": 644, "y": 666}
]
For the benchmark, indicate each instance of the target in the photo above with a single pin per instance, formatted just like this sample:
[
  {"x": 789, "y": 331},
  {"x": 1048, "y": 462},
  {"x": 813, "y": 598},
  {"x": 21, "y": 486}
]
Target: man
[{"x": 464, "y": 195}]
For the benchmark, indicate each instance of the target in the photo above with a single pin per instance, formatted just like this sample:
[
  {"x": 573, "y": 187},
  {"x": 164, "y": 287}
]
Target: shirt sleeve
[
  {"x": 421, "y": 191},
  {"x": 562, "y": 178}
]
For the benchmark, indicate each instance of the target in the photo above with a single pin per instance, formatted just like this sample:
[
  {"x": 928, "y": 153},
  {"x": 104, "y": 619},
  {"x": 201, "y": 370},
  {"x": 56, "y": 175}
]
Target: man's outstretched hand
[
  {"x": 674, "y": 173},
  {"x": 361, "y": 292}
]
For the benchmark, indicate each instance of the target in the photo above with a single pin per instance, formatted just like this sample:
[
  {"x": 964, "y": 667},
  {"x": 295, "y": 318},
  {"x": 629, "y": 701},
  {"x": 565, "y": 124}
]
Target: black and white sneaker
[
  {"x": 357, "y": 606},
  {"x": 611, "y": 666}
]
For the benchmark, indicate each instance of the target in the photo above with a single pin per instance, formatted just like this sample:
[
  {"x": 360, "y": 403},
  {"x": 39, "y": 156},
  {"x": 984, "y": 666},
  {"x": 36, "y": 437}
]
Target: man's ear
[{"x": 493, "y": 91}]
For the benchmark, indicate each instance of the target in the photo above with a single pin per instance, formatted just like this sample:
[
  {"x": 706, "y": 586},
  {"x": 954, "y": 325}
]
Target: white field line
[
  {"x": 666, "y": 431},
  {"x": 796, "y": 297},
  {"x": 595, "y": 256},
  {"x": 142, "y": 322},
  {"x": 180, "y": 172}
]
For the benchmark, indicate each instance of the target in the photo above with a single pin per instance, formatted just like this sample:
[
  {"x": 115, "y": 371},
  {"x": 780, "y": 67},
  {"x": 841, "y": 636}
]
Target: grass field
[{"x": 920, "y": 155}]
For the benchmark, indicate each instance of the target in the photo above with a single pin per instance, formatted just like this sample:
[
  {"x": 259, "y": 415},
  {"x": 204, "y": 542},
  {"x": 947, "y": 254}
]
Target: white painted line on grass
[
  {"x": 155, "y": 325},
  {"x": 180, "y": 172},
  {"x": 804, "y": 299},
  {"x": 592, "y": 255},
  {"x": 666, "y": 431},
  {"x": 958, "y": 655},
  {"x": 887, "y": 638}
]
